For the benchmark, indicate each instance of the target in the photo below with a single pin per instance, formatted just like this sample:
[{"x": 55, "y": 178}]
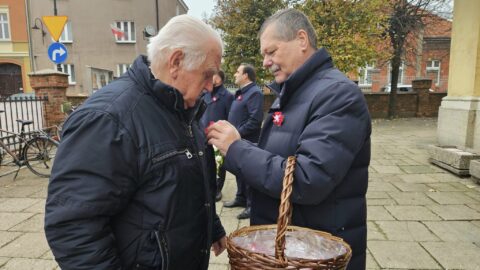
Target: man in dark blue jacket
[
  {"x": 218, "y": 102},
  {"x": 321, "y": 117},
  {"x": 133, "y": 180},
  {"x": 246, "y": 114}
]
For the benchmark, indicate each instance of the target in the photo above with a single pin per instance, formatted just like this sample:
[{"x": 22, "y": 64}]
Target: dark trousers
[
  {"x": 221, "y": 178},
  {"x": 243, "y": 191}
]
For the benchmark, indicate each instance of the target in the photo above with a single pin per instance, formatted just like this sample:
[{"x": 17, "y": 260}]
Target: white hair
[{"x": 186, "y": 33}]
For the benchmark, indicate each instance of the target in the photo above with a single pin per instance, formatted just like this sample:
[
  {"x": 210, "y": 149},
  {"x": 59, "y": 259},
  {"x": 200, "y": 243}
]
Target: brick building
[
  {"x": 102, "y": 37},
  {"x": 427, "y": 55},
  {"x": 14, "y": 55}
]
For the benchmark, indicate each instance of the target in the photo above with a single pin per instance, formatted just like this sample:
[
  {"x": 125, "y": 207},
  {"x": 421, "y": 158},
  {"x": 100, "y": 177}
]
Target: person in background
[
  {"x": 321, "y": 118},
  {"x": 133, "y": 182},
  {"x": 246, "y": 114},
  {"x": 218, "y": 102}
]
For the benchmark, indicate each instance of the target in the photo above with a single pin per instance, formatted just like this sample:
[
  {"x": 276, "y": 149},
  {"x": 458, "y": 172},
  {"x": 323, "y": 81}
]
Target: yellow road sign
[{"x": 55, "y": 25}]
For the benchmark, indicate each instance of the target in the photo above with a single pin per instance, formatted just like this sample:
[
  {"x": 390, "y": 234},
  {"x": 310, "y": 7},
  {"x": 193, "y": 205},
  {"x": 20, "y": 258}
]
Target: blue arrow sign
[{"x": 57, "y": 52}]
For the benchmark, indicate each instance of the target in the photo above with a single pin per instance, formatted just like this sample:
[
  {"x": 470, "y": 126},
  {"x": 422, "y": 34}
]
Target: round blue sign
[{"x": 57, "y": 52}]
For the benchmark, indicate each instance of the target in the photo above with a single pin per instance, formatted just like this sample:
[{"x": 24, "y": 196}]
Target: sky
[{"x": 198, "y": 7}]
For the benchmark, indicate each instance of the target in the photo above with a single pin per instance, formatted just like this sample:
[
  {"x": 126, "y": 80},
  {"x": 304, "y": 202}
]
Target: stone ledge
[
  {"x": 462, "y": 173},
  {"x": 475, "y": 170},
  {"x": 452, "y": 159}
]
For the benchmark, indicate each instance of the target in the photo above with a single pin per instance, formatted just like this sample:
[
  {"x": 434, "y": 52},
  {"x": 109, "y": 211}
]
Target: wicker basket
[{"x": 242, "y": 259}]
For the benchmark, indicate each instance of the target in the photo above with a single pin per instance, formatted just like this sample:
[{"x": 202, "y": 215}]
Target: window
[
  {"x": 122, "y": 68},
  {"x": 400, "y": 73},
  {"x": 70, "y": 70},
  {"x": 100, "y": 78},
  {"x": 128, "y": 32},
  {"x": 365, "y": 75},
  {"x": 433, "y": 71},
  {"x": 178, "y": 9},
  {"x": 67, "y": 35},
  {"x": 4, "y": 28}
]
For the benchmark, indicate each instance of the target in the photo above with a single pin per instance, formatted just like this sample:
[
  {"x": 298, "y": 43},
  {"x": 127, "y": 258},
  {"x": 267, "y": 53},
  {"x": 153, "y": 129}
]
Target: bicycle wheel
[{"x": 39, "y": 154}]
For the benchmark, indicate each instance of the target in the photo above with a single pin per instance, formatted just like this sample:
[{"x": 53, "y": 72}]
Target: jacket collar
[
  {"x": 165, "y": 94},
  {"x": 218, "y": 90},
  {"x": 319, "y": 61},
  {"x": 244, "y": 89}
]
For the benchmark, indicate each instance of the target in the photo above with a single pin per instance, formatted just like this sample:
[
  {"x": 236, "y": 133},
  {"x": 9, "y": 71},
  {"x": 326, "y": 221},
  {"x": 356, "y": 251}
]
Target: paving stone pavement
[{"x": 419, "y": 216}]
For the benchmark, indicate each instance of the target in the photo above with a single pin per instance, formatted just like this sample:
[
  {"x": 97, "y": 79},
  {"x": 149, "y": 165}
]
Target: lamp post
[{"x": 35, "y": 27}]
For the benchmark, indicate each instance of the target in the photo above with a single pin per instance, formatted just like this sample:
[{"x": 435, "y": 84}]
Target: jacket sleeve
[
  {"x": 218, "y": 230},
  {"x": 255, "y": 114},
  {"x": 337, "y": 128},
  {"x": 92, "y": 180},
  {"x": 228, "y": 104}
]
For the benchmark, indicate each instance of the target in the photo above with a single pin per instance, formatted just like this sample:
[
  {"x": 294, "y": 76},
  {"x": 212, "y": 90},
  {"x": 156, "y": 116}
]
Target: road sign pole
[
  {"x": 55, "y": 12},
  {"x": 55, "y": 8}
]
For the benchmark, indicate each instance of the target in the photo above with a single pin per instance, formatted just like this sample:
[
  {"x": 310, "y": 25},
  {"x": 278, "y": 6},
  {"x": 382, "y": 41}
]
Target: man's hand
[
  {"x": 219, "y": 246},
  {"x": 222, "y": 134}
]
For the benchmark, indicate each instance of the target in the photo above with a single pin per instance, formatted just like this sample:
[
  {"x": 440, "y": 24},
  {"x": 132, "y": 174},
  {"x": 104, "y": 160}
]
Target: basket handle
[{"x": 285, "y": 210}]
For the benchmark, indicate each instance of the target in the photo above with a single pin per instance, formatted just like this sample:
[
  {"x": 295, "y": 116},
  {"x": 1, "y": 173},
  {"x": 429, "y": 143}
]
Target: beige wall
[
  {"x": 464, "y": 77},
  {"x": 17, "y": 19},
  {"x": 93, "y": 42},
  {"x": 15, "y": 51}
]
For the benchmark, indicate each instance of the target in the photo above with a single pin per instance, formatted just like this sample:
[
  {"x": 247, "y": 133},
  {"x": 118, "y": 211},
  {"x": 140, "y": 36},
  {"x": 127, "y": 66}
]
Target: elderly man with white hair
[{"x": 133, "y": 182}]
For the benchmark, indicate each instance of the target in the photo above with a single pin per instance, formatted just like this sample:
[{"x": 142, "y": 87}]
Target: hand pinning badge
[
  {"x": 209, "y": 124},
  {"x": 278, "y": 118}
]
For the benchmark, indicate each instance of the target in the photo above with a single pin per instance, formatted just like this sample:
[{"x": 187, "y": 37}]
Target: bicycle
[{"x": 36, "y": 150}]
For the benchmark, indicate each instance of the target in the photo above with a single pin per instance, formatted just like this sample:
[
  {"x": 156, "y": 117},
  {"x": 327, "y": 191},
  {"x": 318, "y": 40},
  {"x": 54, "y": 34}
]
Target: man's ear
[
  {"x": 175, "y": 62},
  {"x": 302, "y": 38}
]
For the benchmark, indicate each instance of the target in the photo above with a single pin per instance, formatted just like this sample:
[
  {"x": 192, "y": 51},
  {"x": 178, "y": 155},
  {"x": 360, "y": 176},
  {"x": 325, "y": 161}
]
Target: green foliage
[
  {"x": 351, "y": 30},
  {"x": 239, "y": 22}
]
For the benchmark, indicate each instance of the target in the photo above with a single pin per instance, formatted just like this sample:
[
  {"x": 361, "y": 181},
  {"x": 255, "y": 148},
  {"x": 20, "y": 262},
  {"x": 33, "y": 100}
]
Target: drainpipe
[
  {"x": 157, "y": 15},
  {"x": 29, "y": 34}
]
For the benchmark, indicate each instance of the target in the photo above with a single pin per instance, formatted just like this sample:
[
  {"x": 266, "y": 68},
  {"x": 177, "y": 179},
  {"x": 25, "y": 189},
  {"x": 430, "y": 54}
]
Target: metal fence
[{"x": 20, "y": 107}]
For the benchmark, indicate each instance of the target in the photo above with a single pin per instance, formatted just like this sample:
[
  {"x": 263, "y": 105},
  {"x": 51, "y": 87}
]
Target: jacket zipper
[
  {"x": 201, "y": 161},
  {"x": 185, "y": 151},
  {"x": 162, "y": 245}
]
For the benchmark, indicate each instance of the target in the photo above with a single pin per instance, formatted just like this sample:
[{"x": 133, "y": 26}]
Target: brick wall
[
  {"x": 412, "y": 104},
  {"x": 52, "y": 84},
  {"x": 407, "y": 104}
]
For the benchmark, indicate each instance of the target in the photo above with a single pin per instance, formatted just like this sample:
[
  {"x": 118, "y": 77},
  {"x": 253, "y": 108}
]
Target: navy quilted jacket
[
  {"x": 323, "y": 120},
  {"x": 133, "y": 182}
]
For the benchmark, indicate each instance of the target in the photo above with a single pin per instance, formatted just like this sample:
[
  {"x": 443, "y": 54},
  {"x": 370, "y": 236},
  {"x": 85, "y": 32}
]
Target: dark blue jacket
[
  {"x": 132, "y": 183},
  {"x": 218, "y": 103},
  {"x": 326, "y": 125},
  {"x": 246, "y": 113}
]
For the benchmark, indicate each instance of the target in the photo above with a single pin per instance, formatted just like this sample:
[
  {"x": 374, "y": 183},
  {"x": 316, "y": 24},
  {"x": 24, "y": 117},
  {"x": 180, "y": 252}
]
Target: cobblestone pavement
[{"x": 419, "y": 216}]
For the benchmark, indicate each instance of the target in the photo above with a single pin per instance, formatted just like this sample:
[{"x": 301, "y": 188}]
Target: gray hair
[
  {"x": 186, "y": 33},
  {"x": 287, "y": 23}
]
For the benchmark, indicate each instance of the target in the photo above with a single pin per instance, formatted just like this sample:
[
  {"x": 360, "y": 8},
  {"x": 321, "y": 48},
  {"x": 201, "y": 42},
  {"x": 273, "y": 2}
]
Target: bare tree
[{"x": 406, "y": 24}]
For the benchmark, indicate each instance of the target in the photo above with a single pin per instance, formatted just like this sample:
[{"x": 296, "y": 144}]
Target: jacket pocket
[
  {"x": 163, "y": 247},
  {"x": 149, "y": 255},
  {"x": 171, "y": 154}
]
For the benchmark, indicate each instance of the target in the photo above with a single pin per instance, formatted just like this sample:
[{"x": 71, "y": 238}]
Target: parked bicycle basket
[{"x": 280, "y": 246}]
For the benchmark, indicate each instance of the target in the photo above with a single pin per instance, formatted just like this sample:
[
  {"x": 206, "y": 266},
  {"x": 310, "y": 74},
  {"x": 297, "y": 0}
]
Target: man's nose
[{"x": 267, "y": 62}]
